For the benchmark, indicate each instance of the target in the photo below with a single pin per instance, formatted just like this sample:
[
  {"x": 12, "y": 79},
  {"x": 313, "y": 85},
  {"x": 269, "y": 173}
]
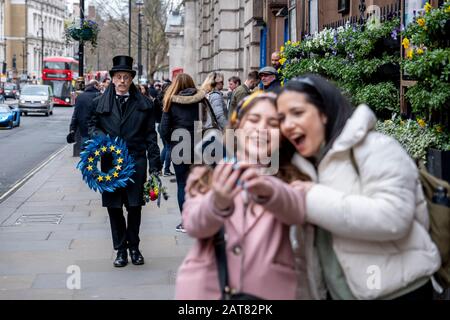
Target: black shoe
[
  {"x": 180, "y": 228},
  {"x": 136, "y": 257},
  {"x": 121, "y": 259},
  {"x": 168, "y": 174}
]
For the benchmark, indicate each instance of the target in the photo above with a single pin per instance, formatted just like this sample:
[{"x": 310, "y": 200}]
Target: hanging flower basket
[
  {"x": 86, "y": 34},
  {"x": 84, "y": 30}
]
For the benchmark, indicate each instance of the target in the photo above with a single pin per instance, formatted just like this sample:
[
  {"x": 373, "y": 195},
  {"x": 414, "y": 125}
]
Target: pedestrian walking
[
  {"x": 243, "y": 91},
  {"x": 166, "y": 159},
  {"x": 233, "y": 83},
  {"x": 213, "y": 86},
  {"x": 152, "y": 91},
  {"x": 370, "y": 239},
  {"x": 81, "y": 113},
  {"x": 182, "y": 102},
  {"x": 105, "y": 84},
  {"x": 144, "y": 91},
  {"x": 275, "y": 60},
  {"x": 122, "y": 111},
  {"x": 269, "y": 79},
  {"x": 254, "y": 211}
]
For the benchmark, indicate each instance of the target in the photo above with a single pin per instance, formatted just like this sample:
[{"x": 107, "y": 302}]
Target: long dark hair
[{"x": 328, "y": 99}]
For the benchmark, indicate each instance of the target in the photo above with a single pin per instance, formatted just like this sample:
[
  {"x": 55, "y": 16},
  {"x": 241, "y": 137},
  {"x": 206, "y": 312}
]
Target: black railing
[{"x": 387, "y": 12}]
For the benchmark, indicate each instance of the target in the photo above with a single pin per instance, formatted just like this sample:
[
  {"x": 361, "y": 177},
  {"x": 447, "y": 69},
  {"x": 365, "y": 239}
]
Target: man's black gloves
[{"x": 71, "y": 137}]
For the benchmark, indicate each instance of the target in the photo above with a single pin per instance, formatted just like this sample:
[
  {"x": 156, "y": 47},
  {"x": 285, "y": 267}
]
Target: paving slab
[{"x": 35, "y": 257}]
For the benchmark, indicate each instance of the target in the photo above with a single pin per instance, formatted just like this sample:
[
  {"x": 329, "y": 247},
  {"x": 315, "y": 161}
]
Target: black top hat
[{"x": 122, "y": 63}]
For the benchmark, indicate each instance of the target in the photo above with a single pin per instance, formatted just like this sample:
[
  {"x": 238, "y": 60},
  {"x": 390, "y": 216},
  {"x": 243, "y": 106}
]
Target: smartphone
[{"x": 211, "y": 150}]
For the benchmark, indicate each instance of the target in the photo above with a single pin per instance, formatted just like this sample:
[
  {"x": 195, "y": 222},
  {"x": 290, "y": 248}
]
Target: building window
[
  {"x": 292, "y": 21},
  {"x": 313, "y": 16},
  {"x": 343, "y": 6}
]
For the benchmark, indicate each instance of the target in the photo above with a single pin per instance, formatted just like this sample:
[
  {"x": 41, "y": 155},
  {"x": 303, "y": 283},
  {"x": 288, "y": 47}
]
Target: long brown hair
[
  {"x": 182, "y": 81},
  {"x": 287, "y": 171}
]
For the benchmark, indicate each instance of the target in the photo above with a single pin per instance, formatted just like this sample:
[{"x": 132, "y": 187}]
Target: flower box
[
  {"x": 386, "y": 72},
  {"x": 386, "y": 45}
]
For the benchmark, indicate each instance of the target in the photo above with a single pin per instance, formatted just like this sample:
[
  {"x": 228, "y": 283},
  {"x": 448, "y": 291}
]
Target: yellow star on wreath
[
  {"x": 90, "y": 159},
  {"x": 115, "y": 174},
  {"x": 118, "y": 151},
  {"x": 97, "y": 153},
  {"x": 89, "y": 168},
  {"x": 100, "y": 178},
  {"x": 112, "y": 148},
  {"x": 108, "y": 178},
  {"x": 104, "y": 149},
  {"x": 118, "y": 167},
  {"x": 120, "y": 160}
]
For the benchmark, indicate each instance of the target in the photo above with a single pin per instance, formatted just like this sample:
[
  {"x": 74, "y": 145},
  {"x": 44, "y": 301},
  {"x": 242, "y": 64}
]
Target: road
[{"x": 24, "y": 148}]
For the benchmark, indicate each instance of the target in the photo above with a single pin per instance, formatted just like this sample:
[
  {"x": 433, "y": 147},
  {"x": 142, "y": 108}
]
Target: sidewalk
[{"x": 35, "y": 255}]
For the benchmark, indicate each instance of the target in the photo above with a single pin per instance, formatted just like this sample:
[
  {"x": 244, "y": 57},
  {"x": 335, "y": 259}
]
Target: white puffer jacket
[{"x": 378, "y": 218}]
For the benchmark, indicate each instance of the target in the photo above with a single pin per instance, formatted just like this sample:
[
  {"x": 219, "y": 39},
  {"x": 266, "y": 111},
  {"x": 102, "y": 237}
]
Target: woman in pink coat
[{"x": 255, "y": 210}]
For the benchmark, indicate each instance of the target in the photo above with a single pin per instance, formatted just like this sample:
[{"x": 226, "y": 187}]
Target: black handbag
[{"x": 222, "y": 268}]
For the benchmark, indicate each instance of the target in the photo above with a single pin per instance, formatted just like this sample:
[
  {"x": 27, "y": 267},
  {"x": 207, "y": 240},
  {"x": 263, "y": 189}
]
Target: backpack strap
[
  {"x": 221, "y": 260},
  {"x": 208, "y": 106}
]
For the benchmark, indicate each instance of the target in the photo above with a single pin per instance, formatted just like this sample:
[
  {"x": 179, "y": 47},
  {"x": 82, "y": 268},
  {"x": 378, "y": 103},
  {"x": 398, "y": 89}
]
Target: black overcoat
[{"x": 137, "y": 128}]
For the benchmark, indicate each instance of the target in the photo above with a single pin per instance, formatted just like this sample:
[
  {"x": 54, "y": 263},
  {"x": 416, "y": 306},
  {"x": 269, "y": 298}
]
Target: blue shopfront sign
[{"x": 263, "y": 48}]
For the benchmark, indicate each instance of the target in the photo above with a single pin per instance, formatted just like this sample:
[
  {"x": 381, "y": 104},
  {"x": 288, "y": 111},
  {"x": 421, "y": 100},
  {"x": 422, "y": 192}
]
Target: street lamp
[
  {"x": 129, "y": 28},
  {"x": 139, "y": 4},
  {"x": 81, "y": 49},
  {"x": 148, "y": 48}
]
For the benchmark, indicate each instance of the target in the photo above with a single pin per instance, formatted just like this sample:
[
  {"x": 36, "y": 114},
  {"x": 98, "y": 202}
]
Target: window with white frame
[
  {"x": 292, "y": 21},
  {"x": 313, "y": 16}
]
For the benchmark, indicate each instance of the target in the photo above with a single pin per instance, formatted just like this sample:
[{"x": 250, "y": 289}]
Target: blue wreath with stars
[{"x": 123, "y": 164}]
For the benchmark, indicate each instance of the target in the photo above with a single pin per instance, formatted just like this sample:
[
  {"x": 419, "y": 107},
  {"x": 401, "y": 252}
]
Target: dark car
[
  {"x": 11, "y": 91},
  {"x": 9, "y": 116}
]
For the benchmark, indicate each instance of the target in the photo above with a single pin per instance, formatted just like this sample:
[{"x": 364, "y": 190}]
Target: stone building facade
[
  {"x": 220, "y": 35},
  {"x": 238, "y": 36},
  {"x": 23, "y": 22}
]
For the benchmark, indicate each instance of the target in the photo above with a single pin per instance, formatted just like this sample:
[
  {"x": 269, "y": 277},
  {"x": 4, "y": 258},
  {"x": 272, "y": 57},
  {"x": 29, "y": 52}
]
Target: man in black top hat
[{"x": 123, "y": 112}]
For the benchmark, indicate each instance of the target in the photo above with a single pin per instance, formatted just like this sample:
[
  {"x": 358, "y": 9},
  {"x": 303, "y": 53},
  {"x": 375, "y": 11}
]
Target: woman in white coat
[{"x": 366, "y": 233}]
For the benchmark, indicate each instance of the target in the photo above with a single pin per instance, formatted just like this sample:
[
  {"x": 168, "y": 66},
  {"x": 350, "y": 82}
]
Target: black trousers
[{"x": 125, "y": 235}]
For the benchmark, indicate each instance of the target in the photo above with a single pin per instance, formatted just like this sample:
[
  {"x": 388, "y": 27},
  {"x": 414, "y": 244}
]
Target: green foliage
[
  {"x": 352, "y": 57},
  {"x": 383, "y": 96},
  {"x": 85, "y": 30},
  {"x": 426, "y": 97},
  {"x": 432, "y": 64},
  {"x": 415, "y": 136},
  {"x": 428, "y": 61}
]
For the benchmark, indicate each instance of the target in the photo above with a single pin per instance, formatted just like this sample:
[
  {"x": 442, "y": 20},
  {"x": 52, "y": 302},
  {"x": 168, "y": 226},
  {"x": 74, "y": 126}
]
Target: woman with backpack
[
  {"x": 254, "y": 211},
  {"x": 180, "y": 110},
  {"x": 213, "y": 86},
  {"x": 366, "y": 233}
]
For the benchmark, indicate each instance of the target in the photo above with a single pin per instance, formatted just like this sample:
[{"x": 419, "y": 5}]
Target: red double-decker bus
[{"x": 60, "y": 73}]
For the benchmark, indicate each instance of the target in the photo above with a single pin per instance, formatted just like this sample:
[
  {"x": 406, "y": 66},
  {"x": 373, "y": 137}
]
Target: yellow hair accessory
[{"x": 246, "y": 102}]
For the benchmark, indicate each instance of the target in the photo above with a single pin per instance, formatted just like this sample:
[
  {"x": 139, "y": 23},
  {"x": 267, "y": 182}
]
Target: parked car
[
  {"x": 11, "y": 90},
  {"x": 36, "y": 98},
  {"x": 9, "y": 116}
]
